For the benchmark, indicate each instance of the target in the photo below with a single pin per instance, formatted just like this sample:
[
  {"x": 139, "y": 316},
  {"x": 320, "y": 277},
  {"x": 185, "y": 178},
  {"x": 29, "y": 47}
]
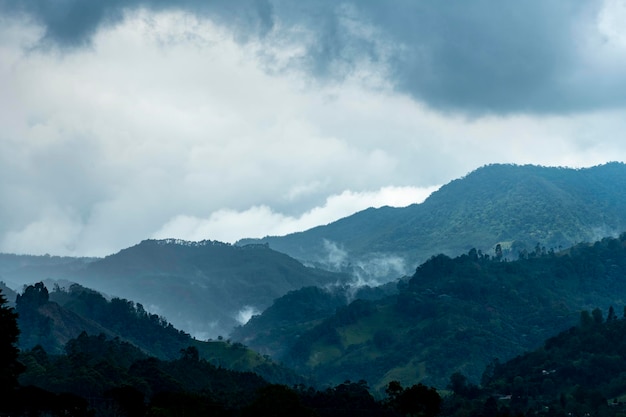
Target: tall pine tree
[{"x": 10, "y": 367}]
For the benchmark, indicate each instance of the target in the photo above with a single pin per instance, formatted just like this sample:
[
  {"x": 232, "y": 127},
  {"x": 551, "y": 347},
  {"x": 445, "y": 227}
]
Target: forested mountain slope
[
  {"x": 454, "y": 315},
  {"x": 49, "y": 320},
  {"x": 517, "y": 206},
  {"x": 581, "y": 370}
]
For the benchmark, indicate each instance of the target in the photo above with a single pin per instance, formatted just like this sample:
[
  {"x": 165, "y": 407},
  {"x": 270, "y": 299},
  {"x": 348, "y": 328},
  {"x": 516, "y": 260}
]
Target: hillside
[
  {"x": 517, "y": 206},
  {"x": 52, "y": 319},
  {"x": 454, "y": 315},
  {"x": 280, "y": 325},
  {"x": 581, "y": 370},
  {"x": 205, "y": 288},
  {"x": 578, "y": 372}
]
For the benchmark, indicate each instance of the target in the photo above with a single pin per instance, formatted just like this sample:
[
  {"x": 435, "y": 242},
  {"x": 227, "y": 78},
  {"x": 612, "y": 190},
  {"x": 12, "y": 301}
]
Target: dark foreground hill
[
  {"x": 581, "y": 371},
  {"x": 516, "y": 206},
  {"x": 454, "y": 315},
  {"x": 205, "y": 288},
  {"x": 103, "y": 376},
  {"x": 50, "y": 320},
  {"x": 578, "y": 372}
]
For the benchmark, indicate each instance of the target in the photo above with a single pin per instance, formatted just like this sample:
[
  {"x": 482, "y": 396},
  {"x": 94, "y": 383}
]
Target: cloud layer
[
  {"x": 221, "y": 120},
  {"x": 481, "y": 56}
]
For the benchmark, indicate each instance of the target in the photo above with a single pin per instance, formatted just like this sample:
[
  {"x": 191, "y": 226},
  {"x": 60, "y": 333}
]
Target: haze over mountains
[
  {"x": 207, "y": 288},
  {"x": 242, "y": 193}
]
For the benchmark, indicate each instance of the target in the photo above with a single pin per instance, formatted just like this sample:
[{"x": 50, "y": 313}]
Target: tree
[
  {"x": 276, "y": 400},
  {"x": 420, "y": 401},
  {"x": 36, "y": 328},
  {"x": 498, "y": 252},
  {"x": 129, "y": 400},
  {"x": 10, "y": 367},
  {"x": 597, "y": 316},
  {"x": 458, "y": 383},
  {"x": 611, "y": 316},
  {"x": 585, "y": 319},
  {"x": 34, "y": 296},
  {"x": 394, "y": 390},
  {"x": 190, "y": 354}
]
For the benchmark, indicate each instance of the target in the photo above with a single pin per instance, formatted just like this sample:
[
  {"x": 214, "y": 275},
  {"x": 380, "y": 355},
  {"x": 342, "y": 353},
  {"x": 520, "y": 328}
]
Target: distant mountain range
[
  {"x": 205, "y": 288},
  {"x": 515, "y": 206}
]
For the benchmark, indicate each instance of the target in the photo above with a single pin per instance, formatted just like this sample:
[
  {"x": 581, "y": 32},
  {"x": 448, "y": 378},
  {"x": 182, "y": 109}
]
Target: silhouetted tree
[
  {"x": 129, "y": 400},
  {"x": 276, "y": 401},
  {"x": 611, "y": 316},
  {"x": 419, "y": 400},
  {"x": 597, "y": 316},
  {"x": 498, "y": 252},
  {"x": 10, "y": 367},
  {"x": 585, "y": 319},
  {"x": 35, "y": 327},
  {"x": 190, "y": 354},
  {"x": 34, "y": 296}
]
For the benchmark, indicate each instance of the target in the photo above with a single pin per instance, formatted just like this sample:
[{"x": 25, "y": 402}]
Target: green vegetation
[
  {"x": 51, "y": 320},
  {"x": 97, "y": 376},
  {"x": 516, "y": 206},
  {"x": 9, "y": 366},
  {"x": 456, "y": 315},
  {"x": 291, "y": 315},
  {"x": 581, "y": 371}
]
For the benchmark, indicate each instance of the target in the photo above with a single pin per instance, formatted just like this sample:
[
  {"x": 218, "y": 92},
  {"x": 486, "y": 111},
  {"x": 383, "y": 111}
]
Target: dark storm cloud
[
  {"x": 479, "y": 56},
  {"x": 71, "y": 23},
  {"x": 476, "y": 57}
]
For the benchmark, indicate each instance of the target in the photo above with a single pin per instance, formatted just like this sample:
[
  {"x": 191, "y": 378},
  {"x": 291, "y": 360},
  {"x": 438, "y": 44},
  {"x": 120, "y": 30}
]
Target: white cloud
[
  {"x": 260, "y": 221},
  {"x": 56, "y": 228},
  {"x": 611, "y": 22},
  {"x": 245, "y": 314},
  {"x": 168, "y": 127}
]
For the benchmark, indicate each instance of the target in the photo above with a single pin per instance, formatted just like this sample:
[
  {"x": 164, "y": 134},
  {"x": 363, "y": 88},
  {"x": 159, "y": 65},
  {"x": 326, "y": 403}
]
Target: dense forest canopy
[{"x": 453, "y": 315}]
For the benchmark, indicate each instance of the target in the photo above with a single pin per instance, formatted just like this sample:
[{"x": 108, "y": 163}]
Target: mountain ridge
[{"x": 517, "y": 206}]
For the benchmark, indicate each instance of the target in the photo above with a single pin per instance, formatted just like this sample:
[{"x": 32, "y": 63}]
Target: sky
[{"x": 197, "y": 119}]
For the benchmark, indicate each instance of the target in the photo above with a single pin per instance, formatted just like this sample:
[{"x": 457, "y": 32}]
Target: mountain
[
  {"x": 280, "y": 325},
  {"x": 516, "y": 206},
  {"x": 51, "y": 320},
  {"x": 205, "y": 288},
  {"x": 453, "y": 315}
]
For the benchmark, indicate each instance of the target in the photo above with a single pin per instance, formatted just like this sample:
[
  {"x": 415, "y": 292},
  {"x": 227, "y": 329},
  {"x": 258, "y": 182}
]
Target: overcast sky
[{"x": 196, "y": 119}]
